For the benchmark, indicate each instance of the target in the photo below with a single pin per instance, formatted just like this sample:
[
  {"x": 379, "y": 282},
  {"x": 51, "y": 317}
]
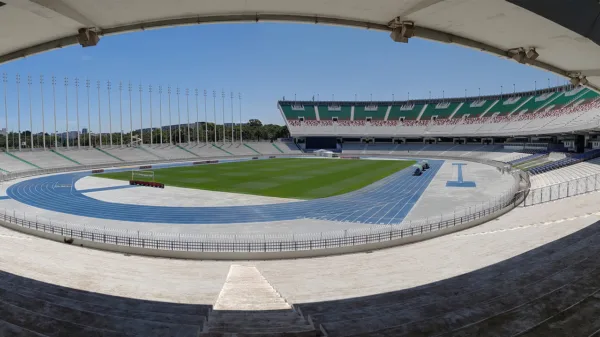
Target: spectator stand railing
[{"x": 566, "y": 189}]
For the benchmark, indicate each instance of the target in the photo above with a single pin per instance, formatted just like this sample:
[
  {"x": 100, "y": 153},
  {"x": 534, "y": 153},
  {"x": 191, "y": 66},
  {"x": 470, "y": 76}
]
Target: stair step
[
  {"x": 578, "y": 320},
  {"x": 11, "y": 330},
  {"x": 260, "y": 334}
]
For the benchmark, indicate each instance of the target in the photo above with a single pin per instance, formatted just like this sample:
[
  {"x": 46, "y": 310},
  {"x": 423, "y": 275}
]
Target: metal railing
[
  {"x": 563, "y": 190},
  {"x": 249, "y": 242},
  {"x": 279, "y": 242}
]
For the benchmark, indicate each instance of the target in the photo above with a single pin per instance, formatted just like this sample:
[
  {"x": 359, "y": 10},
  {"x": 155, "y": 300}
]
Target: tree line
[{"x": 254, "y": 130}]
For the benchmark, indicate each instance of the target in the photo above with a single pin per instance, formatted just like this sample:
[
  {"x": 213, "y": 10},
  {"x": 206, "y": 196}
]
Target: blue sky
[{"x": 264, "y": 62}]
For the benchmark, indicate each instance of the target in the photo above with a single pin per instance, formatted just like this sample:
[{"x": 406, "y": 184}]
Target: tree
[{"x": 255, "y": 122}]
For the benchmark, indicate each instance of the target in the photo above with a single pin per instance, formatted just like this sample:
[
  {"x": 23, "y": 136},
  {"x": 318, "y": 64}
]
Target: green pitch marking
[{"x": 284, "y": 177}]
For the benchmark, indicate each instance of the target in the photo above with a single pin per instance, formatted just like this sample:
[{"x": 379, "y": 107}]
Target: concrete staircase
[{"x": 249, "y": 306}]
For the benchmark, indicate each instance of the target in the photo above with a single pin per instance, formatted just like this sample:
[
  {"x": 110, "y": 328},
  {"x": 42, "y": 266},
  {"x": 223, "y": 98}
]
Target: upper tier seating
[{"x": 553, "y": 110}]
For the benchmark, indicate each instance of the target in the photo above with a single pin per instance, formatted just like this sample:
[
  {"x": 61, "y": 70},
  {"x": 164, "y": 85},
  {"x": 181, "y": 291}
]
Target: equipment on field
[{"x": 142, "y": 175}]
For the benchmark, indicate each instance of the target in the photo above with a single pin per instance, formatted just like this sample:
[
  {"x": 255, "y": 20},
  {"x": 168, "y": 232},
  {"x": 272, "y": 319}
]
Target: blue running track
[{"x": 386, "y": 201}]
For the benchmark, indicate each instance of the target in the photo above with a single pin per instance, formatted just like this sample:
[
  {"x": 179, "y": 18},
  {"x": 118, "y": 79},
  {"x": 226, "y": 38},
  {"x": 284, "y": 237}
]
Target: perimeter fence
[{"x": 262, "y": 242}]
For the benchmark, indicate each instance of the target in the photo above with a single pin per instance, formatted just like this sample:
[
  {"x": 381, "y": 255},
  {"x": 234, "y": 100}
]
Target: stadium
[{"x": 451, "y": 216}]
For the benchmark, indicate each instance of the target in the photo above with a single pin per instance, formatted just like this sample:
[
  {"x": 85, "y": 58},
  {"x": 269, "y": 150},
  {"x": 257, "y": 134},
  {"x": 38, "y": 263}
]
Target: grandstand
[
  {"x": 548, "y": 111},
  {"x": 27, "y": 160}
]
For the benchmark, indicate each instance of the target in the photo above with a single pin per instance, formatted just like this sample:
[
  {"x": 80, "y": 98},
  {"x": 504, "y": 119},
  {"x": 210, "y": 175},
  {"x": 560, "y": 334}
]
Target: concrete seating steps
[
  {"x": 11, "y": 330},
  {"x": 489, "y": 273},
  {"x": 546, "y": 269},
  {"x": 53, "y": 310},
  {"x": 106, "y": 300},
  {"x": 165, "y": 317},
  {"x": 456, "y": 313},
  {"x": 579, "y": 320},
  {"x": 262, "y": 334},
  {"x": 95, "y": 320},
  {"x": 259, "y": 323},
  {"x": 424, "y": 307}
]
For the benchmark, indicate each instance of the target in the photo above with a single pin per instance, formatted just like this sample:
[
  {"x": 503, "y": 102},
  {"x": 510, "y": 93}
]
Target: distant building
[{"x": 84, "y": 131}]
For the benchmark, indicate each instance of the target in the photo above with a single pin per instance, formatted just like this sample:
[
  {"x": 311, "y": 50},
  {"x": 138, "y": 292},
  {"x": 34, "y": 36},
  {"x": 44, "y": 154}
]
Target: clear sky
[{"x": 264, "y": 62}]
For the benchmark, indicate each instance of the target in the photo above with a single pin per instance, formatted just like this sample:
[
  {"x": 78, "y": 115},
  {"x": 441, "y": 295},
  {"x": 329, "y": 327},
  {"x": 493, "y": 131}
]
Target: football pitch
[{"x": 284, "y": 178}]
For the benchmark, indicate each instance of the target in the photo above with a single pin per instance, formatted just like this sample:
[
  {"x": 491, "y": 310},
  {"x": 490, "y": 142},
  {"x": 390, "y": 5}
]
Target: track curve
[{"x": 386, "y": 201}]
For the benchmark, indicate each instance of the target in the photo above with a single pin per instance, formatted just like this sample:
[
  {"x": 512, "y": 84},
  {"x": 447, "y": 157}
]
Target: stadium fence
[{"x": 263, "y": 242}]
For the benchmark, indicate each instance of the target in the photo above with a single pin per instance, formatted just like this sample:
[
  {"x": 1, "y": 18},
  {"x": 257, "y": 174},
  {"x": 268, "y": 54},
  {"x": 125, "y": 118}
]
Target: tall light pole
[
  {"x": 67, "y": 110},
  {"x": 241, "y": 134},
  {"x": 178, "y": 115},
  {"x": 223, "y": 96},
  {"x": 43, "y": 122},
  {"x": 121, "y": 110},
  {"x": 150, "y": 94},
  {"x": 205, "y": 119},
  {"x": 30, "y": 111},
  {"x": 160, "y": 113},
  {"x": 170, "y": 123},
  {"x": 99, "y": 114},
  {"x": 87, "y": 85},
  {"x": 187, "y": 102},
  {"x": 54, "y": 101},
  {"x": 5, "y": 81},
  {"x": 19, "y": 109},
  {"x": 197, "y": 119},
  {"x": 108, "y": 86},
  {"x": 130, "y": 115},
  {"x": 141, "y": 122},
  {"x": 77, "y": 112},
  {"x": 215, "y": 111},
  {"x": 232, "y": 122}
]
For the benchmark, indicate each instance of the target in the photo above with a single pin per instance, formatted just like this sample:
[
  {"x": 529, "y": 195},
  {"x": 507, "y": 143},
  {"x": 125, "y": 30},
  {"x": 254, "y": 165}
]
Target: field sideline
[{"x": 284, "y": 178}]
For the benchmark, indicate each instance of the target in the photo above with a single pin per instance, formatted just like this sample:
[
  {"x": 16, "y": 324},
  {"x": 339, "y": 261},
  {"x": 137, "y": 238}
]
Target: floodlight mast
[
  {"x": 30, "y": 112},
  {"x": 108, "y": 87},
  {"x": 18, "y": 81},
  {"x": 43, "y": 122},
  {"x": 197, "y": 119},
  {"x": 151, "y": 127}
]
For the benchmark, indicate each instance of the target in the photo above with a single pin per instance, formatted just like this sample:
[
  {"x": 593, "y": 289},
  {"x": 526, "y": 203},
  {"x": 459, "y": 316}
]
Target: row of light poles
[{"x": 88, "y": 84}]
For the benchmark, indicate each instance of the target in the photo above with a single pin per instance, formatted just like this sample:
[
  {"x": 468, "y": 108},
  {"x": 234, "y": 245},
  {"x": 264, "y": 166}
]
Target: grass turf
[{"x": 284, "y": 178}]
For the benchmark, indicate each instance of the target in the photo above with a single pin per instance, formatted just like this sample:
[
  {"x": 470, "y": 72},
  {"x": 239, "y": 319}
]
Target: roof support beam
[
  {"x": 52, "y": 8},
  {"x": 422, "y": 32}
]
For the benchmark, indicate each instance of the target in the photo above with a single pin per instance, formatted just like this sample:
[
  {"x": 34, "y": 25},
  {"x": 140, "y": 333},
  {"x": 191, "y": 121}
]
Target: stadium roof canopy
[{"x": 565, "y": 34}]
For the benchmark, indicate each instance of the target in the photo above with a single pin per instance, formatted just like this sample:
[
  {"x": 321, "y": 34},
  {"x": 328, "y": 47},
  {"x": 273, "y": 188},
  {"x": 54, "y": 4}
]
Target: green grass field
[{"x": 284, "y": 178}]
